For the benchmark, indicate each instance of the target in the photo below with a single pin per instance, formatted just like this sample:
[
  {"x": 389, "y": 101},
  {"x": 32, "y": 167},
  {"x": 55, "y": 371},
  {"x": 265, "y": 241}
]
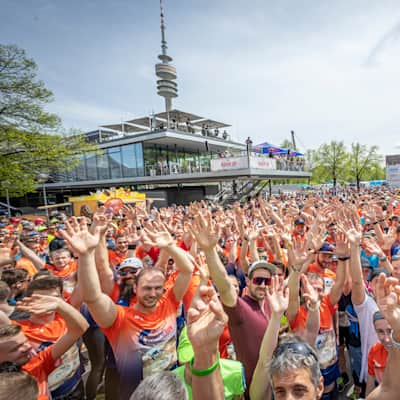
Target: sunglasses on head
[
  {"x": 127, "y": 271},
  {"x": 295, "y": 347},
  {"x": 260, "y": 280}
]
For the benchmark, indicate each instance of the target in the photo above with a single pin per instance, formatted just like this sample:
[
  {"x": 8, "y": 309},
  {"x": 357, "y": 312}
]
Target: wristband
[
  {"x": 204, "y": 372},
  {"x": 345, "y": 258},
  {"x": 394, "y": 343},
  {"x": 382, "y": 259}
]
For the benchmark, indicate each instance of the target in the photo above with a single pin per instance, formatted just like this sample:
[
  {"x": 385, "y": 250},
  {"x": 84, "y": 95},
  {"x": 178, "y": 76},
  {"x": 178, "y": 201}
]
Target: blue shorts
[{"x": 330, "y": 374}]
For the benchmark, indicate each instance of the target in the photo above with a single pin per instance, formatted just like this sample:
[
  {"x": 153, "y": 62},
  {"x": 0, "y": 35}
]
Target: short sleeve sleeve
[
  {"x": 112, "y": 331},
  {"x": 235, "y": 313}
]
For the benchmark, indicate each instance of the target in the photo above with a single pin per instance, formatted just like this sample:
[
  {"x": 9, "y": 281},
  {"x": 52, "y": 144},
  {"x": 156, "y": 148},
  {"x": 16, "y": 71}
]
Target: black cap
[
  {"x": 376, "y": 272},
  {"x": 299, "y": 221}
]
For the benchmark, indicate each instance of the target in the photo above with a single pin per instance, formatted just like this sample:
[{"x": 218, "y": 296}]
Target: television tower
[{"x": 166, "y": 85}]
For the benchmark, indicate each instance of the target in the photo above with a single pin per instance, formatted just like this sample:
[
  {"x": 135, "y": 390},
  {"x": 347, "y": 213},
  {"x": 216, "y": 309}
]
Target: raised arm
[
  {"x": 39, "y": 305},
  {"x": 206, "y": 321},
  {"x": 106, "y": 277},
  {"x": 343, "y": 253},
  {"x": 83, "y": 243},
  {"x": 28, "y": 253},
  {"x": 278, "y": 298},
  {"x": 351, "y": 228},
  {"x": 313, "y": 313},
  {"x": 162, "y": 239},
  {"x": 206, "y": 234},
  {"x": 388, "y": 300}
]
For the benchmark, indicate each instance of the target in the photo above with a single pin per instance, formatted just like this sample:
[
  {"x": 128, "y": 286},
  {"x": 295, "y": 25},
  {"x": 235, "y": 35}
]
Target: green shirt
[{"x": 232, "y": 373}]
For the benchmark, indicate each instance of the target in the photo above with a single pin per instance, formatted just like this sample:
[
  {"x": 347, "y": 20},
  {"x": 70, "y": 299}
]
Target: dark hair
[
  {"x": 5, "y": 291},
  {"x": 12, "y": 276},
  {"x": 41, "y": 273},
  {"x": 9, "y": 330},
  {"x": 57, "y": 244},
  {"x": 45, "y": 283}
]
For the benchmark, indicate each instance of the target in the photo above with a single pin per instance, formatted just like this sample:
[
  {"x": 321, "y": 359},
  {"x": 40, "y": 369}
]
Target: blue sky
[{"x": 325, "y": 69}]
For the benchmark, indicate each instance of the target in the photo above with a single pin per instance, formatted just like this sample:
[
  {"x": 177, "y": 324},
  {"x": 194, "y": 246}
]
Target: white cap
[{"x": 132, "y": 262}]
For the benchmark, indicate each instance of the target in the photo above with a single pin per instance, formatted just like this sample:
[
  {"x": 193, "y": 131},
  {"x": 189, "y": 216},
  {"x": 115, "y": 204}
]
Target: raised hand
[
  {"x": 100, "y": 221},
  {"x": 309, "y": 293},
  {"x": 78, "y": 237},
  {"x": 342, "y": 245},
  {"x": 349, "y": 223},
  {"x": 278, "y": 296},
  {"x": 206, "y": 320},
  {"x": 39, "y": 304},
  {"x": 372, "y": 247},
  {"x": 388, "y": 300},
  {"x": 158, "y": 235},
  {"x": 205, "y": 231}
]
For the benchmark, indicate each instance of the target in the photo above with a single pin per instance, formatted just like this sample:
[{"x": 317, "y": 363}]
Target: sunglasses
[
  {"x": 260, "y": 280},
  {"x": 127, "y": 271},
  {"x": 295, "y": 347}
]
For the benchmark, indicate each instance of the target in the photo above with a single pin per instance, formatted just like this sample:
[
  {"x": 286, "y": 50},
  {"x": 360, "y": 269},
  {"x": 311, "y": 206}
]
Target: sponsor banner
[
  {"x": 229, "y": 163},
  {"x": 232, "y": 163},
  {"x": 262, "y": 163}
]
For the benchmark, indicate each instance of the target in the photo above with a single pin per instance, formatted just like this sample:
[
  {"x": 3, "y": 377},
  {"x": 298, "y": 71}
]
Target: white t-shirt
[{"x": 365, "y": 312}]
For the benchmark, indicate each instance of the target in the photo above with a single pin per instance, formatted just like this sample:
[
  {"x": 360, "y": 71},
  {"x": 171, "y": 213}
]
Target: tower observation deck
[{"x": 166, "y": 85}]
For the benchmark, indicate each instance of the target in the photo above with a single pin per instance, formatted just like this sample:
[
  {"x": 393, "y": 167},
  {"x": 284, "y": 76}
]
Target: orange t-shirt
[
  {"x": 191, "y": 290},
  {"x": 115, "y": 258},
  {"x": 153, "y": 335},
  {"x": 40, "y": 333},
  {"x": 325, "y": 343},
  {"x": 377, "y": 358},
  {"x": 40, "y": 366},
  {"x": 326, "y": 312},
  {"x": 63, "y": 273},
  {"x": 68, "y": 276},
  {"x": 328, "y": 275},
  {"x": 26, "y": 264}
]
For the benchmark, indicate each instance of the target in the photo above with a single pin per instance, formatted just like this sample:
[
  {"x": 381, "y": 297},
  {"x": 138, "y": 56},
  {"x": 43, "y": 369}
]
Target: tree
[
  {"x": 330, "y": 161},
  {"x": 363, "y": 161},
  {"x": 32, "y": 141},
  {"x": 287, "y": 144}
]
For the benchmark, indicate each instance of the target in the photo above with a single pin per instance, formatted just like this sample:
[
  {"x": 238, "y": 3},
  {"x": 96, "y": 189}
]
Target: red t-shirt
[
  {"x": 154, "y": 252},
  {"x": 377, "y": 358}
]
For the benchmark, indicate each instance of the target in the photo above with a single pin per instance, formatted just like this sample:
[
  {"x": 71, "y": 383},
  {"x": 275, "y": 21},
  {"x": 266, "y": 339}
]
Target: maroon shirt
[{"x": 247, "y": 325}]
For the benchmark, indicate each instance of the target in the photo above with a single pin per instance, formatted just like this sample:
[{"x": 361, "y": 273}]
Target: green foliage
[
  {"x": 333, "y": 162},
  {"x": 287, "y": 144},
  {"x": 32, "y": 141},
  {"x": 330, "y": 161}
]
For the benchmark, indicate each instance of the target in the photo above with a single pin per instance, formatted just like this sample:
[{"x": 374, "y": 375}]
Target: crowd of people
[{"x": 293, "y": 297}]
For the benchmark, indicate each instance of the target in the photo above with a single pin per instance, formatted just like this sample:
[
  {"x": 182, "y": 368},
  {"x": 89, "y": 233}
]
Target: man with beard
[
  {"x": 323, "y": 266},
  {"x": 145, "y": 333},
  {"x": 248, "y": 315},
  {"x": 123, "y": 294}
]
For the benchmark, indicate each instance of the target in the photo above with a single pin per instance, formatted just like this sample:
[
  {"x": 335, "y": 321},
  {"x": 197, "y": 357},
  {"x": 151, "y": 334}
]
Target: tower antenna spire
[{"x": 166, "y": 85}]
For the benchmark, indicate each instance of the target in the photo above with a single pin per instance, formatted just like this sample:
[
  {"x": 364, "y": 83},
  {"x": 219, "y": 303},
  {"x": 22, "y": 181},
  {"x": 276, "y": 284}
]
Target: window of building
[
  {"x": 114, "y": 160},
  {"x": 91, "y": 166},
  {"x": 128, "y": 160},
  {"x": 139, "y": 159},
  {"x": 103, "y": 171}
]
